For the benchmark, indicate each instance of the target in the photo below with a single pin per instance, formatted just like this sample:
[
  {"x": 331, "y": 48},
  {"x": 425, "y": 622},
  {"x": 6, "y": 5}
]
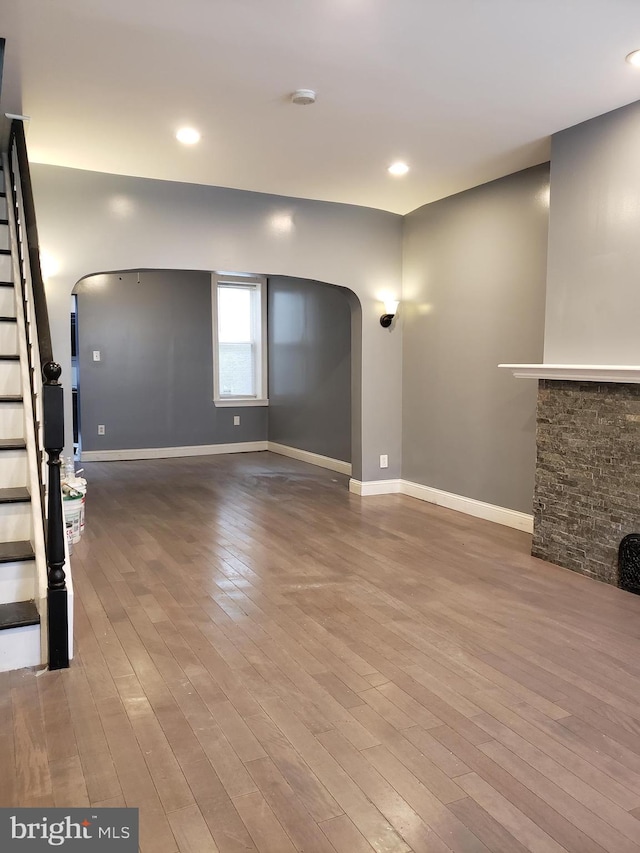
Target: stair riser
[
  {"x": 20, "y": 647},
  {"x": 9, "y": 379},
  {"x": 17, "y": 581},
  {"x": 7, "y": 301},
  {"x": 3, "y": 207},
  {"x": 8, "y": 338},
  {"x": 13, "y": 468},
  {"x": 4, "y": 236},
  {"x": 6, "y": 270},
  {"x": 16, "y": 523},
  {"x": 11, "y": 421}
]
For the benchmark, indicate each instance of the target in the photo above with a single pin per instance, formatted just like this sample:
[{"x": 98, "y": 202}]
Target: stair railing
[{"x": 46, "y": 392}]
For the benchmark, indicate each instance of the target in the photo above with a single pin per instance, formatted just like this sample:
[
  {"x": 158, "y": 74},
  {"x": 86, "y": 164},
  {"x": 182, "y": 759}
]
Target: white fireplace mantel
[{"x": 577, "y": 372}]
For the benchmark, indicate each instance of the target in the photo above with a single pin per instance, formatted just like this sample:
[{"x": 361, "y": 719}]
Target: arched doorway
[{"x": 145, "y": 363}]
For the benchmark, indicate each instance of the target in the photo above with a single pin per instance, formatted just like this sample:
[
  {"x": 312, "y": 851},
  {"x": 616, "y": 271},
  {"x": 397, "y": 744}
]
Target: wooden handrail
[
  {"x": 18, "y": 139},
  {"x": 52, "y": 403}
]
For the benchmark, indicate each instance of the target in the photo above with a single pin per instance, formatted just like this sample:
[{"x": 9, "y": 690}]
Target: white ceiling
[{"x": 463, "y": 90}]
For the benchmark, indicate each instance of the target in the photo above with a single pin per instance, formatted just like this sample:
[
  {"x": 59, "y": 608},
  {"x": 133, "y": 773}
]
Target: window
[{"x": 240, "y": 340}]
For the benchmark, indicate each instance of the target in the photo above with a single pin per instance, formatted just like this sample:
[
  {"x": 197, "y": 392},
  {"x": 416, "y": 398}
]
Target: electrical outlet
[
  {"x": 96, "y": 355},
  {"x": 236, "y": 420},
  {"x": 384, "y": 461},
  {"x": 100, "y": 429}
]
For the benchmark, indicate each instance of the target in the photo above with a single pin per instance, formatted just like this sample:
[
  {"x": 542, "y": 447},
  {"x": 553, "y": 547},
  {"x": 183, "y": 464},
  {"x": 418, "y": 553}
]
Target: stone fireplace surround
[{"x": 587, "y": 482}]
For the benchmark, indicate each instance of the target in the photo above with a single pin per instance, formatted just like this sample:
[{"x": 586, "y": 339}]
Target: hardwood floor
[{"x": 265, "y": 662}]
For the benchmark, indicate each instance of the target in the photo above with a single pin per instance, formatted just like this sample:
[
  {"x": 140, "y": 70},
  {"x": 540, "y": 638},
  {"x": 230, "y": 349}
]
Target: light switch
[{"x": 96, "y": 355}]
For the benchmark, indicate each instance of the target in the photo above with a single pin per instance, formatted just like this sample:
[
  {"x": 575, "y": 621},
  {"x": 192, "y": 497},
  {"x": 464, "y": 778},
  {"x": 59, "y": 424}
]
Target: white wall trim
[
  {"x": 171, "y": 452},
  {"x": 312, "y": 458},
  {"x": 375, "y": 487},
  {"x": 625, "y": 373},
  {"x": 239, "y": 403},
  {"x": 459, "y": 503},
  {"x": 470, "y": 506}
]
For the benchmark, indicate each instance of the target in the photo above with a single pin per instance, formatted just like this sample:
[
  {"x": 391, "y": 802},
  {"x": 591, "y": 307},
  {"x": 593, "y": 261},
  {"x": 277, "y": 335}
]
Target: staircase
[
  {"x": 20, "y": 641},
  {"x": 36, "y": 595}
]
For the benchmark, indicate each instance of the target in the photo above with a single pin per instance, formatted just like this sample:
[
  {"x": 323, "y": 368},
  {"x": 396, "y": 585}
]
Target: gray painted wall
[
  {"x": 474, "y": 268},
  {"x": 310, "y": 366},
  {"x": 153, "y": 386},
  {"x": 91, "y": 222},
  {"x": 593, "y": 294}
]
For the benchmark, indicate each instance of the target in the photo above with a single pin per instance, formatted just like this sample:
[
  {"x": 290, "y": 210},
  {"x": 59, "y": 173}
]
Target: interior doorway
[{"x": 144, "y": 364}]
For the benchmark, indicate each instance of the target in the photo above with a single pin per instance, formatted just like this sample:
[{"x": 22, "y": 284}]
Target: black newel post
[{"x": 53, "y": 428}]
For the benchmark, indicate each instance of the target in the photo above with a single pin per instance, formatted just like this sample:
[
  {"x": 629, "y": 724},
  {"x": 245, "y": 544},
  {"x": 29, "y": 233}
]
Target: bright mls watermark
[{"x": 104, "y": 830}]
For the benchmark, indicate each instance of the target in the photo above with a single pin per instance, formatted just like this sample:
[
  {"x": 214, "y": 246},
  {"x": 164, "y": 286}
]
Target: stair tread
[
  {"x": 18, "y": 614},
  {"x": 17, "y": 494},
  {"x": 14, "y": 552},
  {"x": 8, "y": 319},
  {"x": 11, "y": 398},
  {"x": 9, "y": 357},
  {"x": 4, "y": 221},
  {"x": 6, "y": 284},
  {"x": 5, "y": 251},
  {"x": 12, "y": 444}
]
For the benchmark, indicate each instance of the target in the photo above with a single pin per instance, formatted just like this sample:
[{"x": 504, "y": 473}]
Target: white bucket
[{"x": 74, "y": 514}]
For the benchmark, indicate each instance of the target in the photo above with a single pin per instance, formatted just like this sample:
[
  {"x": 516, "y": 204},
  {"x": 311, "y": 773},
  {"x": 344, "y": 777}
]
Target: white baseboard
[
  {"x": 311, "y": 458},
  {"x": 470, "y": 506},
  {"x": 459, "y": 503},
  {"x": 171, "y": 452},
  {"x": 375, "y": 487}
]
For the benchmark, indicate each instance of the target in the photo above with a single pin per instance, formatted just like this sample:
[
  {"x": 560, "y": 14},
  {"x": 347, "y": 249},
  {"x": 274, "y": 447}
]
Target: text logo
[{"x": 33, "y": 830}]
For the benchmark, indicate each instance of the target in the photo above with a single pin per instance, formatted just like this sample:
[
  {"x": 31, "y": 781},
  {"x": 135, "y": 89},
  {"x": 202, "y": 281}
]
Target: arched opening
[{"x": 145, "y": 360}]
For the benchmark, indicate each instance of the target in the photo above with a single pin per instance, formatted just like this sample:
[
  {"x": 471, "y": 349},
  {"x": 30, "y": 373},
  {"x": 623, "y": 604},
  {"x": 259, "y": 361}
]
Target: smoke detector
[{"x": 303, "y": 97}]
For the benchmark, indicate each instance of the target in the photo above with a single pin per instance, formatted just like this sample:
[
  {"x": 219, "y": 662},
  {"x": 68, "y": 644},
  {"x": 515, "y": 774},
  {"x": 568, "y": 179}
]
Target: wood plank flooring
[{"x": 267, "y": 663}]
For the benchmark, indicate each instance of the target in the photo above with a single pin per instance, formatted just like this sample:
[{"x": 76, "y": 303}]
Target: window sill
[{"x": 239, "y": 402}]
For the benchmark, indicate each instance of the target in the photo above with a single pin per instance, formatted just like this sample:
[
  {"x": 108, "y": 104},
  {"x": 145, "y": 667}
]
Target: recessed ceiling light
[
  {"x": 188, "y": 135},
  {"x": 633, "y": 58},
  {"x": 398, "y": 168}
]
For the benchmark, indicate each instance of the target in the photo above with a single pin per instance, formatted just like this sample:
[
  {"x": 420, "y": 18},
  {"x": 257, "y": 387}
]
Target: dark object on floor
[{"x": 629, "y": 563}]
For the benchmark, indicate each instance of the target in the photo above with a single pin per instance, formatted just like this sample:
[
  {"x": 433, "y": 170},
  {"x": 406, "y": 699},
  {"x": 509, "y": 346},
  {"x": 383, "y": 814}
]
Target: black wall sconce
[{"x": 390, "y": 308}]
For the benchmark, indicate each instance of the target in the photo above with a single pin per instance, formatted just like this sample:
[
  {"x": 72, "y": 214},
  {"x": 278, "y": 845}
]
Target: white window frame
[{"x": 258, "y": 284}]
